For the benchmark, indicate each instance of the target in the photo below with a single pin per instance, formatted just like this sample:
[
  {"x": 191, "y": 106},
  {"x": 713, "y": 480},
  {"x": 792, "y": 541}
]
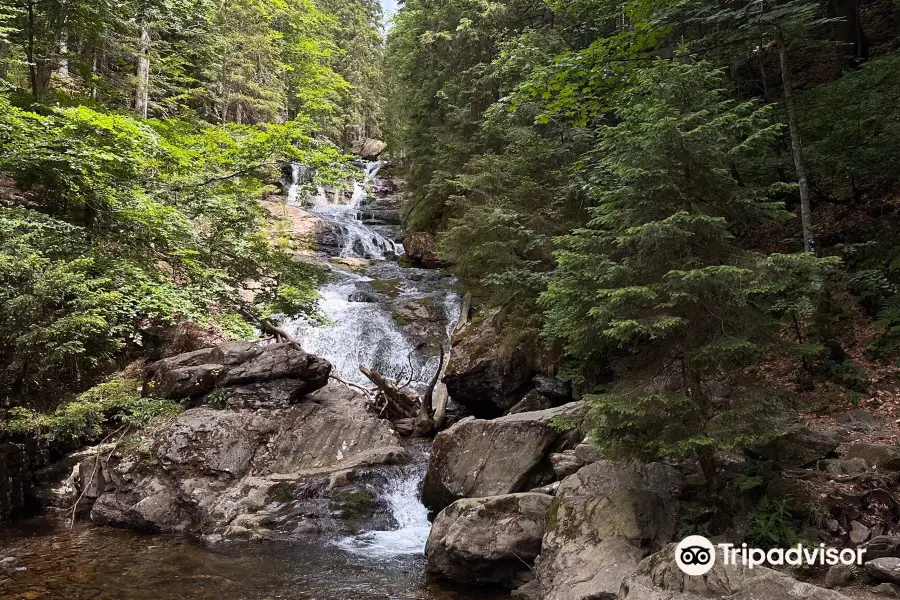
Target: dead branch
[
  {"x": 425, "y": 419},
  {"x": 97, "y": 465},
  {"x": 398, "y": 403},
  {"x": 369, "y": 394}
]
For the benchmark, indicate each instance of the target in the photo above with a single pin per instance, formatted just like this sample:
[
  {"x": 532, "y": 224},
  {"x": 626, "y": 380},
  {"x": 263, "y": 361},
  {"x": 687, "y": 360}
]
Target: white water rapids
[{"x": 363, "y": 332}]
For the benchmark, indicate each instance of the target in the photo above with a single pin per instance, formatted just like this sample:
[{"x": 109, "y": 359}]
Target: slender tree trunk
[
  {"x": 4, "y": 65},
  {"x": 62, "y": 68},
  {"x": 809, "y": 243},
  {"x": 29, "y": 52},
  {"x": 94, "y": 62},
  {"x": 142, "y": 95}
]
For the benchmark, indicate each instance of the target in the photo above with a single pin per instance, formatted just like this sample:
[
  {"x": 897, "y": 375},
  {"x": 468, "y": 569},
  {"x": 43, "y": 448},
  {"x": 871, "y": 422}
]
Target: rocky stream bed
[{"x": 283, "y": 478}]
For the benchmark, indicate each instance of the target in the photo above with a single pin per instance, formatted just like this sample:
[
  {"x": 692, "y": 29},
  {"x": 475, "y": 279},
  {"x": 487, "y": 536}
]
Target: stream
[{"x": 378, "y": 314}]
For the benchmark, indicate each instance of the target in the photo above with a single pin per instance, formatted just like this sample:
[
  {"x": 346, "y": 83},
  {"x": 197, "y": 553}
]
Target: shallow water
[{"x": 109, "y": 564}]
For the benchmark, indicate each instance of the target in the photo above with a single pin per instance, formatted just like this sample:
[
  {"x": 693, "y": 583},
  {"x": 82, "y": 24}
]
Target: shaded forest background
[
  {"x": 688, "y": 209},
  {"x": 136, "y": 142}
]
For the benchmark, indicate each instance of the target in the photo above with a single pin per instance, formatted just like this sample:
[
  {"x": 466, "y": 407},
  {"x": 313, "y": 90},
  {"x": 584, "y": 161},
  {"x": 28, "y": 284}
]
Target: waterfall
[
  {"x": 402, "y": 496},
  {"x": 363, "y": 331},
  {"x": 294, "y": 189}
]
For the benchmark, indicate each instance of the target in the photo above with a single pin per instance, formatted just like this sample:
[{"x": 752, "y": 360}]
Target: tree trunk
[
  {"x": 62, "y": 68},
  {"x": 809, "y": 243},
  {"x": 29, "y": 52},
  {"x": 426, "y": 420},
  {"x": 142, "y": 95},
  {"x": 849, "y": 31}
]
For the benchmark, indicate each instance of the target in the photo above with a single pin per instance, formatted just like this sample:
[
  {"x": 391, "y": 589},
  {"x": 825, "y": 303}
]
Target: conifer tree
[{"x": 657, "y": 282}]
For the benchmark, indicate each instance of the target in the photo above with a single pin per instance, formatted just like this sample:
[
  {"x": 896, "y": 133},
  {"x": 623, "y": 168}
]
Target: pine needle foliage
[{"x": 656, "y": 282}]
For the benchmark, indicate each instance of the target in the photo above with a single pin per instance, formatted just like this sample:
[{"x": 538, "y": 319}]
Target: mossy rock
[
  {"x": 390, "y": 287},
  {"x": 282, "y": 492},
  {"x": 400, "y": 319},
  {"x": 354, "y": 504}
]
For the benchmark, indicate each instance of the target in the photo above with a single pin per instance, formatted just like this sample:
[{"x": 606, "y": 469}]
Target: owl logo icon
[{"x": 695, "y": 555}]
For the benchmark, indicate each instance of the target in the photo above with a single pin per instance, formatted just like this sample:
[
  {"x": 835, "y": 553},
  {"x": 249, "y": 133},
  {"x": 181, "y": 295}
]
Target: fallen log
[{"x": 395, "y": 402}]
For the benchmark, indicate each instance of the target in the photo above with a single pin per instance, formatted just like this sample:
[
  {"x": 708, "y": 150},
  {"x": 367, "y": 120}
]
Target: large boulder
[
  {"x": 476, "y": 458},
  {"x": 799, "y": 445},
  {"x": 251, "y": 474},
  {"x": 659, "y": 578},
  {"x": 604, "y": 520},
  {"x": 487, "y": 540},
  {"x": 482, "y": 376},
  {"x": 368, "y": 148},
  {"x": 244, "y": 374},
  {"x": 876, "y": 456},
  {"x": 884, "y": 569},
  {"x": 421, "y": 247}
]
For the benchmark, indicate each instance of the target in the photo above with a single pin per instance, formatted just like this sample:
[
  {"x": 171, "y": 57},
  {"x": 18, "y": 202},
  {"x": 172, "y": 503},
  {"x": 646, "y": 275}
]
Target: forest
[
  {"x": 662, "y": 198},
  {"x": 136, "y": 142}
]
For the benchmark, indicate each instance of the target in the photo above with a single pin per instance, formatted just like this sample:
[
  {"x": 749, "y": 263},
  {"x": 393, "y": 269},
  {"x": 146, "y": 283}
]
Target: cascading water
[
  {"x": 363, "y": 330},
  {"x": 402, "y": 496}
]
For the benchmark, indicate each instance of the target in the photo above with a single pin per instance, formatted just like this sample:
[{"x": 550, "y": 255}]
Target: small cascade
[
  {"x": 359, "y": 334},
  {"x": 402, "y": 496},
  {"x": 294, "y": 189}
]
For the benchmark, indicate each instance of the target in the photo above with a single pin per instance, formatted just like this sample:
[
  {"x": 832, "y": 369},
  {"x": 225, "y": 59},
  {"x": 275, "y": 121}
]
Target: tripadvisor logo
[{"x": 696, "y": 555}]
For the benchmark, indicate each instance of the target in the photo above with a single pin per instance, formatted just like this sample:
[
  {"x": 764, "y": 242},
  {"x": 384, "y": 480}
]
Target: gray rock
[
  {"x": 565, "y": 463},
  {"x": 838, "y": 576},
  {"x": 836, "y": 466},
  {"x": 487, "y": 540},
  {"x": 532, "y": 401},
  {"x": 481, "y": 377},
  {"x": 368, "y": 148},
  {"x": 883, "y": 546},
  {"x": 361, "y": 296},
  {"x": 884, "y": 569},
  {"x": 254, "y": 474},
  {"x": 274, "y": 361},
  {"x": 862, "y": 420},
  {"x": 603, "y": 521},
  {"x": 890, "y": 590},
  {"x": 858, "y": 532},
  {"x": 185, "y": 382},
  {"x": 800, "y": 445},
  {"x": 559, "y": 392},
  {"x": 877, "y": 456},
  {"x": 235, "y": 364},
  {"x": 476, "y": 458},
  {"x": 587, "y": 453},
  {"x": 659, "y": 578},
  {"x": 281, "y": 393},
  {"x": 421, "y": 247}
]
